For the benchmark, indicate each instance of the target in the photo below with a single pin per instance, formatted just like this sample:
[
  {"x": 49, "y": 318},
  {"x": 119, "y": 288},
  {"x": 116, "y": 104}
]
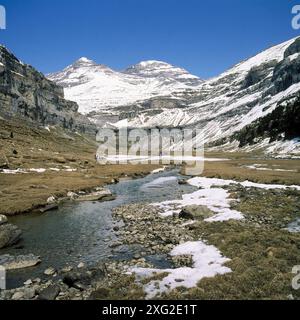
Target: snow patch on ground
[
  {"x": 155, "y": 159},
  {"x": 202, "y": 182},
  {"x": 207, "y": 262},
  {"x": 260, "y": 167},
  {"x": 40, "y": 170},
  {"x": 216, "y": 199},
  {"x": 8, "y": 171},
  {"x": 34, "y": 170},
  {"x": 158, "y": 170}
]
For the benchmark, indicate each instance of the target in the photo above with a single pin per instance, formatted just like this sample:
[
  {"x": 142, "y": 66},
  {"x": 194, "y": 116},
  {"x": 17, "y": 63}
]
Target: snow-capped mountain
[
  {"x": 226, "y": 104},
  {"x": 96, "y": 87},
  {"x": 156, "y": 94},
  {"x": 163, "y": 71}
]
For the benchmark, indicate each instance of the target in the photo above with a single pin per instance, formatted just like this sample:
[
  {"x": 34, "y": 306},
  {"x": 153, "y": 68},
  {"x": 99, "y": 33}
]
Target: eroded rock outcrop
[
  {"x": 9, "y": 233},
  {"x": 26, "y": 93}
]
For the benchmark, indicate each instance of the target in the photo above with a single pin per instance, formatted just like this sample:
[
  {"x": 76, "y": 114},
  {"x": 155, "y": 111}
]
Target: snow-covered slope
[
  {"x": 229, "y": 102},
  {"x": 156, "y": 94},
  {"x": 96, "y": 87},
  {"x": 163, "y": 71}
]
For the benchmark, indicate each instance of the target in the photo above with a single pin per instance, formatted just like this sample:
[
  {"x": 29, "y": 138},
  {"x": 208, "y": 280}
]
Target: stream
[{"x": 83, "y": 232}]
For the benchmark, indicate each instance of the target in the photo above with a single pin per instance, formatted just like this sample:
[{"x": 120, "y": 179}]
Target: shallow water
[{"x": 83, "y": 232}]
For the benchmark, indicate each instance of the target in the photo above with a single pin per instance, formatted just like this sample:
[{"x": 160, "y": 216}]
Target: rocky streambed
[
  {"x": 151, "y": 239},
  {"x": 82, "y": 230}
]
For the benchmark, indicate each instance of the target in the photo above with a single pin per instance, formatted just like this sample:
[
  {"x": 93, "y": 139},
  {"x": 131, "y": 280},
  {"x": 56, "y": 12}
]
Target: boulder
[
  {"x": 9, "y": 234},
  {"x": 82, "y": 278},
  {"x": 10, "y": 262},
  {"x": 50, "y": 271},
  {"x": 72, "y": 195},
  {"x": 101, "y": 195},
  {"x": 18, "y": 296},
  {"x": 195, "y": 213},
  {"x": 49, "y": 293},
  {"x": 49, "y": 207},
  {"x": 29, "y": 293},
  {"x": 182, "y": 182}
]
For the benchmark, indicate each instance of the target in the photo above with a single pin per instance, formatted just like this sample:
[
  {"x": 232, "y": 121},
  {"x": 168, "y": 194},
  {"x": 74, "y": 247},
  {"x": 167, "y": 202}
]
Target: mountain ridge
[
  {"x": 156, "y": 94},
  {"x": 94, "y": 86}
]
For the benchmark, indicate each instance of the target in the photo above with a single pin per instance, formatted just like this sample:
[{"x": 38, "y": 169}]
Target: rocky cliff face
[{"x": 27, "y": 94}]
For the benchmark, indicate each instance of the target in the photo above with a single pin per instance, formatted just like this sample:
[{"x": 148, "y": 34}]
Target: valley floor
[
  {"x": 249, "y": 257},
  {"x": 41, "y": 163}
]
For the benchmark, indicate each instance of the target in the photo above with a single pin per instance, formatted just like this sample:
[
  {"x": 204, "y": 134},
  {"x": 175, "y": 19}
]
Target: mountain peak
[
  {"x": 153, "y": 62},
  {"x": 161, "y": 69},
  {"x": 84, "y": 61}
]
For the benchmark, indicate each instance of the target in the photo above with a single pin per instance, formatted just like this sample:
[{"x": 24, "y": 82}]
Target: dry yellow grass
[
  {"x": 32, "y": 147},
  {"x": 237, "y": 169}
]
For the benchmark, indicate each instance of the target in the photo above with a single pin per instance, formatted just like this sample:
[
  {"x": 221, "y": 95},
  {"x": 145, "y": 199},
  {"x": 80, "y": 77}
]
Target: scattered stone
[
  {"x": 3, "y": 219},
  {"x": 66, "y": 269},
  {"x": 17, "y": 296},
  {"x": 50, "y": 293},
  {"x": 195, "y": 212},
  {"x": 50, "y": 271},
  {"x": 59, "y": 159},
  {"x": 19, "y": 262},
  {"x": 83, "y": 278},
  {"x": 9, "y": 234},
  {"x": 49, "y": 207},
  {"x": 137, "y": 256},
  {"x": 28, "y": 282},
  {"x": 37, "y": 280},
  {"x": 72, "y": 195},
  {"x": 182, "y": 182},
  {"x": 115, "y": 244},
  {"x": 39, "y": 186},
  {"x": 51, "y": 200},
  {"x": 81, "y": 265},
  {"x": 101, "y": 195},
  {"x": 29, "y": 293}
]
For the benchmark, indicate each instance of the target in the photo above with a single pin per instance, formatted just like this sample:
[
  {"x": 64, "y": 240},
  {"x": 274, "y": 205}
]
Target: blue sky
[{"x": 205, "y": 37}]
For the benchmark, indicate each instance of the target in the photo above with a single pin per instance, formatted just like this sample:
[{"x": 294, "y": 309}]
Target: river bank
[{"x": 189, "y": 253}]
